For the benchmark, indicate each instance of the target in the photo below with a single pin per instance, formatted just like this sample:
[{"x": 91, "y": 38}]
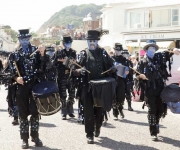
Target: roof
[{"x": 156, "y": 3}]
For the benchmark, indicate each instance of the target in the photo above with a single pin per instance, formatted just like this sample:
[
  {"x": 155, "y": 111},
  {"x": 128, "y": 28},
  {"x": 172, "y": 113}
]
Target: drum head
[
  {"x": 50, "y": 105},
  {"x": 44, "y": 89}
]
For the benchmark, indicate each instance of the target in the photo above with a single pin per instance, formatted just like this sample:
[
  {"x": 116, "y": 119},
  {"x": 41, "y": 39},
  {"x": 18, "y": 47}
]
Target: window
[
  {"x": 175, "y": 16},
  {"x": 125, "y": 17},
  {"x": 161, "y": 18},
  {"x": 136, "y": 20},
  {"x": 146, "y": 19}
]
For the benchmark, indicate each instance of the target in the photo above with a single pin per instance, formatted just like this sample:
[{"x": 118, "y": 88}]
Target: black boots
[
  {"x": 37, "y": 142},
  {"x": 90, "y": 140},
  {"x": 15, "y": 121},
  {"x": 121, "y": 113},
  {"x": 152, "y": 126},
  {"x": 71, "y": 115},
  {"x": 63, "y": 117},
  {"x": 118, "y": 109},
  {"x": 129, "y": 106},
  {"x": 25, "y": 144}
]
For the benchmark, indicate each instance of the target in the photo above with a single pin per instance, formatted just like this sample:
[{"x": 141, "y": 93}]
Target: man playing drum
[
  {"x": 96, "y": 60},
  {"x": 25, "y": 67}
]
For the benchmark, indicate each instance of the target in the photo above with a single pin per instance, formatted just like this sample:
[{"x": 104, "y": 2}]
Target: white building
[
  {"x": 6, "y": 42},
  {"x": 114, "y": 19},
  {"x": 133, "y": 23}
]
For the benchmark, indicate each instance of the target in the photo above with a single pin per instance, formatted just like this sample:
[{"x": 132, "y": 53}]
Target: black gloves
[{"x": 113, "y": 69}]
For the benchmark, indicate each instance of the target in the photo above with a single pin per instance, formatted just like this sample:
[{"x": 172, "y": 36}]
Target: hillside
[{"x": 70, "y": 15}]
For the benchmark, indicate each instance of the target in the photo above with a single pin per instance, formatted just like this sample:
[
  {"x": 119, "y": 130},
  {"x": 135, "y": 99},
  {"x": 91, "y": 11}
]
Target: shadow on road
[
  {"x": 170, "y": 141},
  {"x": 137, "y": 123},
  {"x": 3, "y": 110},
  {"x": 140, "y": 112},
  {"x": 119, "y": 145},
  {"x": 47, "y": 125},
  {"x": 107, "y": 125},
  {"x": 43, "y": 148},
  {"x": 134, "y": 122},
  {"x": 74, "y": 120}
]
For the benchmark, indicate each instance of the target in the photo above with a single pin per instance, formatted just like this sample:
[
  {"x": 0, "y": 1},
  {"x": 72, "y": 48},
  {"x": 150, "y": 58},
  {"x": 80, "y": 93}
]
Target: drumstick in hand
[
  {"x": 79, "y": 65},
  {"x": 34, "y": 52},
  {"x": 136, "y": 71},
  {"x": 106, "y": 71},
  {"x": 17, "y": 69},
  {"x": 109, "y": 70}
]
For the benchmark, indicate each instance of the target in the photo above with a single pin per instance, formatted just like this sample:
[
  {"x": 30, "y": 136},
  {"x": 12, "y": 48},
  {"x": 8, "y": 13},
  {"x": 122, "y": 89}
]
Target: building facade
[
  {"x": 6, "y": 42},
  {"x": 91, "y": 22},
  {"x": 114, "y": 19},
  {"x": 133, "y": 23}
]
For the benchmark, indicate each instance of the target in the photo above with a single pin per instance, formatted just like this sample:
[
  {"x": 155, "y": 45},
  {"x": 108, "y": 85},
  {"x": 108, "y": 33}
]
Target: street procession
[{"x": 89, "y": 88}]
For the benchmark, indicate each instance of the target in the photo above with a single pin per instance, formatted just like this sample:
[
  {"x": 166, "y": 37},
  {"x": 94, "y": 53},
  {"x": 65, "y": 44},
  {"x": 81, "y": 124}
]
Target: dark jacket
[{"x": 62, "y": 54}]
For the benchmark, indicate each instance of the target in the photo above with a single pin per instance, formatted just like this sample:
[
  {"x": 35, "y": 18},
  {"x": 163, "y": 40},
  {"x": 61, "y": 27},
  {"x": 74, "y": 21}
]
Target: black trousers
[
  {"x": 27, "y": 106},
  {"x": 155, "y": 107},
  {"x": 120, "y": 91},
  {"x": 128, "y": 91},
  {"x": 64, "y": 85},
  {"x": 93, "y": 115},
  {"x": 11, "y": 99}
]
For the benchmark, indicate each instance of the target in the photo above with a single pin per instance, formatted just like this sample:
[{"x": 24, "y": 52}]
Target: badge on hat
[{"x": 23, "y": 33}]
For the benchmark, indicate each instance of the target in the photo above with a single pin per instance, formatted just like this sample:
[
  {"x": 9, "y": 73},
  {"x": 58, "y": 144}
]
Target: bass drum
[
  {"x": 46, "y": 96},
  {"x": 171, "y": 93}
]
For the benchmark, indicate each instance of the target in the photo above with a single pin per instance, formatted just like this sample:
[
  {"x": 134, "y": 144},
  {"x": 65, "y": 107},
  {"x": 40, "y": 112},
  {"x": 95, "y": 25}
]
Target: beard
[{"x": 92, "y": 47}]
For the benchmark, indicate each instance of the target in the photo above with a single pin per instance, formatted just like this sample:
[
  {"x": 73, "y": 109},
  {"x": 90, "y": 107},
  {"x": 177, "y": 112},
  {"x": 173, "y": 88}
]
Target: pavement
[{"x": 131, "y": 133}]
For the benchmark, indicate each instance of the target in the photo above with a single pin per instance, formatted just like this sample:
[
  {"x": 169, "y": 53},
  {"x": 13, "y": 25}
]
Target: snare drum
[
  {"x": 46, "y": 95},
  {"x": 103, "y": 91}
]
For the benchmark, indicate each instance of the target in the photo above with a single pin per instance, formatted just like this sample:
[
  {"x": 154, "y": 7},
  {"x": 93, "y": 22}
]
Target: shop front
[{"x": 165, "y": 40}]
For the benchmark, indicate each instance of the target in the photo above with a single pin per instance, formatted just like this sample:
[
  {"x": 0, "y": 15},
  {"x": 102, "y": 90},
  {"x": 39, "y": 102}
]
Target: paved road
[{"x": 128, "y": 134}]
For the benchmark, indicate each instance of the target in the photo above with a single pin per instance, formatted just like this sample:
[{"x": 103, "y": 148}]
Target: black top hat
[
  {"x": 150, "y": 43},
  {"x": 93, "y": 35},
  {"x": 24, "y": 33},
  {"x": 125, "y": 51},
  {"x": 118, "y": 47},
  {"x": 67, "y": 39}
]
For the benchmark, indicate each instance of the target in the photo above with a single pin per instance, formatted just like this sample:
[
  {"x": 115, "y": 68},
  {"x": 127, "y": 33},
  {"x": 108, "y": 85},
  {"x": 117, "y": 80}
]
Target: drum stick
[
  {"x": 106, "y": 71},
  {"x": 109, "y": 70},
  {"x": 136, "y": 71},
  {"x": 79, "y": 66},
  {"x": 34, "y": 52},
  {"x": 17, "y": 69}
]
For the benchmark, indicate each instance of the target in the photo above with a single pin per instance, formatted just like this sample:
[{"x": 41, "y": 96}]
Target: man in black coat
[
  {"x": 96, "y": 60},
  {"x": 26, "y": 79},
  {"x": 118, "y": 58},
  {"x": 154, "y": 73},
  {"x": 61, "y": 62}
]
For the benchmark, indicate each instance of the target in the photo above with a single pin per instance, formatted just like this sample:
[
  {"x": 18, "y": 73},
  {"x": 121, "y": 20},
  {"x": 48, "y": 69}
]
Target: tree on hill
[
  {"x": 70, "y": 15},
  {"x": 11, "y": 32}
]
